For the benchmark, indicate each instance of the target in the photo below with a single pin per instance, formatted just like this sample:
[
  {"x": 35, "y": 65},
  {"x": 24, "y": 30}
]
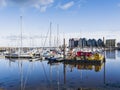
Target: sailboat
[
  {"x": 56, "y": 54},
  {"x": 20, "y": 54}
]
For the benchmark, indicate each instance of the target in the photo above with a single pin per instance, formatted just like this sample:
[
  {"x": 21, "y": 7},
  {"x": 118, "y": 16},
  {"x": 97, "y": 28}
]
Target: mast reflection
[{"x": 111, "y": 54}]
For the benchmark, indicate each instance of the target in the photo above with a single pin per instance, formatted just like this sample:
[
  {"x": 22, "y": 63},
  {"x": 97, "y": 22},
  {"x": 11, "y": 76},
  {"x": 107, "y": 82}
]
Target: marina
[
  {"x": 26, "y": 74},
  {"x": 59, "y": 45}
]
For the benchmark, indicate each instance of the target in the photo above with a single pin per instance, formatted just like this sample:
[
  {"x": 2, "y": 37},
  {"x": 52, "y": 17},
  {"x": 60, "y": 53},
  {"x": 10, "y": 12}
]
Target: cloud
[
  {"x": 77, "y": 3},
  {"x": 67, "y": 5},
  {"x": 80, "y": 3},
  {"x": 2, "y": 3},
  {"x": 42, "y": 5},
  {"x": 43, "y": 8},
  {"x": 31, "y": 2}
]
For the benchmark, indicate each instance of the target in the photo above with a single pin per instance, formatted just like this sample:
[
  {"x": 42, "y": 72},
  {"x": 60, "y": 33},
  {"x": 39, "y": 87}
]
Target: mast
[
  {"x": 54, "y": 41},
  {"x": 64, "y": 48},
  {"x": 50, "y": 35},
  {"x": 21, "y": 34},
  {"x": 21, "y": 48},
  {"x": 57, "y": 34}
]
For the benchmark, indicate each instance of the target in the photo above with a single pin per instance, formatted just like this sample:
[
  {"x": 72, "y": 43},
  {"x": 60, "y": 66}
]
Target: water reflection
[
  {"x": 41, "y": 75},
  {"x": 118, "y": 53},
  {"x": 110, "y": 83},
  {"x": 80, "y": 75},
  {"x": 111, "y": 54},
  {"x": 83, "y": 66}
]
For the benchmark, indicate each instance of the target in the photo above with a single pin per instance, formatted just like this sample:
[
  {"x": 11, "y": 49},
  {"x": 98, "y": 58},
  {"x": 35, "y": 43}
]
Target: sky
[{"x": 76, "y": 19}]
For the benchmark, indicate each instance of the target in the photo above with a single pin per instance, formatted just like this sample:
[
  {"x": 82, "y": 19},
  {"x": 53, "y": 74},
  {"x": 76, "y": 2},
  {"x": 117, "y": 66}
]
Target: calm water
[{"x": 40, "y": 75}]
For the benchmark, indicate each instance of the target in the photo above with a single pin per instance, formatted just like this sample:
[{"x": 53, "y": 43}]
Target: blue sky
[{"x": 85, "y": 18}]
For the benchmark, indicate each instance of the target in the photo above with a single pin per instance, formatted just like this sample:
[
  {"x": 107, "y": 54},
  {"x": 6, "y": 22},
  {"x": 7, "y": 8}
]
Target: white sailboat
[
  {"x": 20, "y": 54},
  {"x": 56, "y": 56}
]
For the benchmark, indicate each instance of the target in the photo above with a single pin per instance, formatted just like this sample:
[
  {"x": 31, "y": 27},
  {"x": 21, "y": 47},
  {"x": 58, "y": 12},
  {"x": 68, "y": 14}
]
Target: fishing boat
[
  {"x": 80, "y": 55},
  {"x": 96, "y": 56},
  {"x": 85, "y": 57}
]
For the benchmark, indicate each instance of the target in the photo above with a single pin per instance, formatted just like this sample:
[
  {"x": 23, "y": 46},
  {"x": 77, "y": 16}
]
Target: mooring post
[{"x": 104, "y": 49}]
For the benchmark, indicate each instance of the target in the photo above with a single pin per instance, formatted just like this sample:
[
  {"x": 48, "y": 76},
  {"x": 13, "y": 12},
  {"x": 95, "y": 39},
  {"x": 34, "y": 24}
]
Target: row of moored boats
[{"x": 58, "y": 55}]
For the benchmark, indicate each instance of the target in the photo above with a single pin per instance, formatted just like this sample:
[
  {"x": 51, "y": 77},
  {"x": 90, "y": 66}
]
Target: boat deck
[{"x": 15, "y": 57}]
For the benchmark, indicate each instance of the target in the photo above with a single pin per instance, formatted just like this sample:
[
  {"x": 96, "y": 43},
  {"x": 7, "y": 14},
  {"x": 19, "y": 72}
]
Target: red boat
[{"x": 81, "y": 53}]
